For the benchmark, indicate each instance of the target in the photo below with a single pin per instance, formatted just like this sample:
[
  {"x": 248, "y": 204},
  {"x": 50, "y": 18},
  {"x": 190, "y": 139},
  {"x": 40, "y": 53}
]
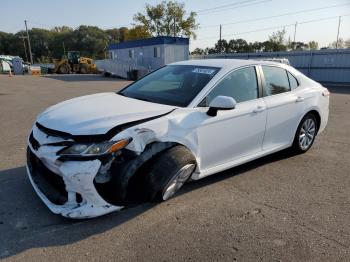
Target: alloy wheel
[
  {"x": 307, "y": 133},
  {"x": 178, "y": 181}
]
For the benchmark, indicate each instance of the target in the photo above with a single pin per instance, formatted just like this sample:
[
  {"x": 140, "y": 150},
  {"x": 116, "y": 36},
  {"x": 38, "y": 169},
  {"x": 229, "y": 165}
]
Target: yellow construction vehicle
[{"x": 74, "y": 63}]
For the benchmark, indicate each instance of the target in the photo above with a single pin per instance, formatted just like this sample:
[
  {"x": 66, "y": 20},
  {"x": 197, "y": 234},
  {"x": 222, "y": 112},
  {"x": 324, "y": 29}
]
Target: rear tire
[
  {"x": 169, "y": 172},
  {"x": 305, "y": 134},
  {"x": 83, "y": 69}
]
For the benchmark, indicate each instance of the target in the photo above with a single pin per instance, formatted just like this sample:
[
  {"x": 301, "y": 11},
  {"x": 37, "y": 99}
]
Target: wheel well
[
  {"x": 317, "y": 116},
  {"x": 135, "y": 193}
]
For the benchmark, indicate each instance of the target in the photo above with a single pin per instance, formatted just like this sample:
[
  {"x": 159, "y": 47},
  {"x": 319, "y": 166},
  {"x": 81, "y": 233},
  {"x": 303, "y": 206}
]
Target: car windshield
[{"x": 174, "y": 85}]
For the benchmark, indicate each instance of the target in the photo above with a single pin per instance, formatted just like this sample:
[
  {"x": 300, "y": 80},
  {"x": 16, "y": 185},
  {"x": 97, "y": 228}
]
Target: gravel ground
[{"x": 278, "y": 208}]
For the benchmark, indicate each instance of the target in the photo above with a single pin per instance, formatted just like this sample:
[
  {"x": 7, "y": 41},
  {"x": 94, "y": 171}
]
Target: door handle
[
  {"x": 259, "y": 109},
  {"x": 299, "y": 99}
]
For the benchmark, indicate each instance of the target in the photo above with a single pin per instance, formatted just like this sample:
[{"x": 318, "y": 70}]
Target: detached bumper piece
[{"x": 70, "y": 193}]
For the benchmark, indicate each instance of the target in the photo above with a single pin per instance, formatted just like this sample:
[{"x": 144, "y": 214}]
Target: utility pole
[
  {"x": 295, "y": 33},
  {"x": 174, "y": 27},
  {"x": 29, "y": 47},
  {"x": 25, "y": 48},
  {"x": 220, "y": 43},
  {"x": 336, "y": 46}
]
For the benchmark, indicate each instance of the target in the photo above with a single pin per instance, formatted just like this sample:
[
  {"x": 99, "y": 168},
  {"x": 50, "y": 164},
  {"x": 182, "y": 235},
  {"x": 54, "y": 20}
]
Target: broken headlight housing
[{"x": 94, "y": 149}]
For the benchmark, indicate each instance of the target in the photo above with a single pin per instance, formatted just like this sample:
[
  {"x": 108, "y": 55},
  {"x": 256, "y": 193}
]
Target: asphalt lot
[{"x": 278, "y": 208}]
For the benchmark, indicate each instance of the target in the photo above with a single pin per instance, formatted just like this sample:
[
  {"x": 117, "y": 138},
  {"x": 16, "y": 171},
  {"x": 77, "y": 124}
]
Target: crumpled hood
[{"x": 98, "y": 113}]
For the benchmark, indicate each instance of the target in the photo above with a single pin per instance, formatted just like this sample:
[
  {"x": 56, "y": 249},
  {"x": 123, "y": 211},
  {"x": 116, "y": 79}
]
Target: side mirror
[{"x": 221, "y": 103}]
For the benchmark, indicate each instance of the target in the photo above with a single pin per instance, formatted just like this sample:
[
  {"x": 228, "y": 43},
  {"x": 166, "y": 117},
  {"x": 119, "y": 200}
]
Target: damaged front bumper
[
  {"x": 66, "y": 187},
  {"x": 70, "y": 193}
]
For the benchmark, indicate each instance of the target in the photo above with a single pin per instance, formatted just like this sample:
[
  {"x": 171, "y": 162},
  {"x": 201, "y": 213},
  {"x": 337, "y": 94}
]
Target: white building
[{"x": 144, "y": 55}]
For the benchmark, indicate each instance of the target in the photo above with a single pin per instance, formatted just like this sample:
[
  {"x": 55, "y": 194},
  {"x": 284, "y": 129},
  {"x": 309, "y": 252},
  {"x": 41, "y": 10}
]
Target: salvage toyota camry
[{"x": 96, "y": 154}]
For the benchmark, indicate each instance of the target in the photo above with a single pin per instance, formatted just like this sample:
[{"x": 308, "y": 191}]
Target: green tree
[
  {"x": 5, "y": 42},
  {"x": 198, "y": 51},
  {"x": 347, "y": 43},
  {"x": 123, "y": 32},
  {"x": 313, "y": 45},
  {"x": 61, "y": 29},
  {"x": 341, "y": 44},
  {"x": 40, "y": 39},
  {"x": 278, "y": 37},
  {"x": 256, "y": 46},
  {"x": 137, "y": 32},
  {"x": 90, "y": 41},
  {"x": 238, "y": 46},
  {"x": 221, "y": 46},
  {"x": 167, "y": 18},
  {"x": 113, "y": 35},
  {"x": 276, "y": 41}
]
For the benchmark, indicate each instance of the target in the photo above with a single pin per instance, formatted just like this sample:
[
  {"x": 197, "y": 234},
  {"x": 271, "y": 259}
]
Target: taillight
[{"x": 326, "y": 92}]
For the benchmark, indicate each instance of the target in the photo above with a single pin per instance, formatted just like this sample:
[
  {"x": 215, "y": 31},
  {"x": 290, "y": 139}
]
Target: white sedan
[{"x": 95, "y": 154}]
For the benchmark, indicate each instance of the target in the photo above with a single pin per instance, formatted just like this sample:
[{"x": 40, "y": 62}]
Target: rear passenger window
[
  {"x": 276, "y": 80},
  {"x": 292, "y": 81}
]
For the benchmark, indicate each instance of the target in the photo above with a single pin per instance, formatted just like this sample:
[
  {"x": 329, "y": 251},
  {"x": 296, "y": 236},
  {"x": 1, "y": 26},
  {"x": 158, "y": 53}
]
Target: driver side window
[{"x": 240, "y": 84}]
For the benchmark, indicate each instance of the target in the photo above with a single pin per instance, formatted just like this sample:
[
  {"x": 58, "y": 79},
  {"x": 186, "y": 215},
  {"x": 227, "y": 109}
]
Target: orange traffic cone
[{"x": 10, "y": 73}]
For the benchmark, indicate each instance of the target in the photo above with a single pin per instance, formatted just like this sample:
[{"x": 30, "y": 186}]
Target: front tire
[
  {"x": 305, "y": 134},
  {"x": 169, "y": 172},
  {"x": 63, "y": 69}
]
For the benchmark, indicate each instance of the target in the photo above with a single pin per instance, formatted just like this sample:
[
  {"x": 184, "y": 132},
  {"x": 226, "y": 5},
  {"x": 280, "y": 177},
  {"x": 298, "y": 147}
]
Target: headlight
[{"x": 95, "y": 149}]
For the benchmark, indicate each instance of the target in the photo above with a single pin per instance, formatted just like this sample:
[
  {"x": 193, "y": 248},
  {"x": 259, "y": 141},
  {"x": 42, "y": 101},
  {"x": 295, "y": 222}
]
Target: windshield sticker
[{"x": 206, "y": 71}]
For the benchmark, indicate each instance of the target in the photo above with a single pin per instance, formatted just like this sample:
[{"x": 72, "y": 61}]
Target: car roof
[{"x": 226, "y": 63}]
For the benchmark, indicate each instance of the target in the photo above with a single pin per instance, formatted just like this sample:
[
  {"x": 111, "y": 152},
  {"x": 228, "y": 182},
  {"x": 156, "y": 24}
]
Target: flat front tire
[{"x": 169, "y": 172}]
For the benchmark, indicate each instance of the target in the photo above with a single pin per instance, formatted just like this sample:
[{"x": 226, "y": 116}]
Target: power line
[
  {"x": 275, "y": 27},
  {"x": 236, "y": 7},
  {"x": 275, "y": 16},
  {"x": 321, "y": 19},
  {"x": 224, "y": 6},
  {"x": 248, "y": 32}
]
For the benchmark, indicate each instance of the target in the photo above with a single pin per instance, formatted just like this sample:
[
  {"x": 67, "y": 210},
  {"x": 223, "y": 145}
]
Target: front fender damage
[
  {"x": 103, "y": 185},
  {"x": 123, "y": 171},
  {"x": 148, "y": 140}
]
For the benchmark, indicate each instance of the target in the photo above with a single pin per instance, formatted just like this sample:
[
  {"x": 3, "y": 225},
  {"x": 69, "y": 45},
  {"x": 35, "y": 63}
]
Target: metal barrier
[{"x": 327, "y": 66}]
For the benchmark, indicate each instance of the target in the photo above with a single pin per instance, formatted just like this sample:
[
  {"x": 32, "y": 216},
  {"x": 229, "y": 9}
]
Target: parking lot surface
[{"x": 278, "y": 208}]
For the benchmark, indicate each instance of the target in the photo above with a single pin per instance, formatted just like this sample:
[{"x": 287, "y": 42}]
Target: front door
[{"x": 235, "y": 133}]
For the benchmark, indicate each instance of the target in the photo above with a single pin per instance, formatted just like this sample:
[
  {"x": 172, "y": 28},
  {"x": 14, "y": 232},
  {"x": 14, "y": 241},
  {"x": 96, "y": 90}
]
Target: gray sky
[{"x": 109, "y": 14}]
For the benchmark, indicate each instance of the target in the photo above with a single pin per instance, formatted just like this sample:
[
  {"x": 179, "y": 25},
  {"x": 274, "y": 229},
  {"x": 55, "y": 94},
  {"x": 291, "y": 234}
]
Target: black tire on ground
[
  {"x": 63, "y": 69},
  {"x": 165, "y": 168},
  {"x": 297, "y": 147},
  {"x": 83, "y": 69}
]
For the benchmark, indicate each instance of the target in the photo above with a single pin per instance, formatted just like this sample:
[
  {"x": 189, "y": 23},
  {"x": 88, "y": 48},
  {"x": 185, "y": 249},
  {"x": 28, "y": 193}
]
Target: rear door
[{"x": 283, "y": 107}]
